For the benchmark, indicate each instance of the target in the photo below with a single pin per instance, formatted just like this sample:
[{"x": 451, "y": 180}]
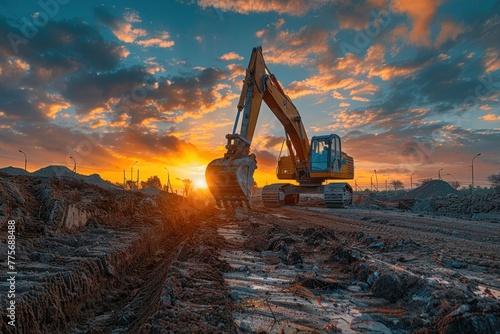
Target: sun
[{"x": 200, "y": 183}]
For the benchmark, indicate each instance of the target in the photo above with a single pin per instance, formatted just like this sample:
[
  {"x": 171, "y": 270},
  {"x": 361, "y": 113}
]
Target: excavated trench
[{"x": 95, "y": 264}]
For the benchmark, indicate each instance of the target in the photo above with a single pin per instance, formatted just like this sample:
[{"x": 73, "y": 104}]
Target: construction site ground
[{"x": 171, "y": 266}]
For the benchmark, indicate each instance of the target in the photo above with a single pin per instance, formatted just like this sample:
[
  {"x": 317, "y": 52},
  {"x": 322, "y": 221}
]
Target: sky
[{"x": 412, "y": 87}]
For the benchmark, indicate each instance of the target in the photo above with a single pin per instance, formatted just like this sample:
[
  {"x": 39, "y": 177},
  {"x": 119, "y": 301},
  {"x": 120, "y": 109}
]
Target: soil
[{"x": 95, "y": 260}]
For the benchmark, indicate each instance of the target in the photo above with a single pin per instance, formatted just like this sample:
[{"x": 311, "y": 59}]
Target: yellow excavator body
[{"x": 309, "y": 163}]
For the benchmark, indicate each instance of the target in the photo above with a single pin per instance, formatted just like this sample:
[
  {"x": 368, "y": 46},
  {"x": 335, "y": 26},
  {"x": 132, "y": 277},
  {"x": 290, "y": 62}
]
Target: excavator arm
[
  {"x": 230, "y": 179},
  {"x": 260, "y": 85}
]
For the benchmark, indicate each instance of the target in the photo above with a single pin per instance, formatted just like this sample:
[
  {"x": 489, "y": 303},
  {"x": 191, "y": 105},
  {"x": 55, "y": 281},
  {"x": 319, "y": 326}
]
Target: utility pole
[
  {"x": 411, "y": 181},
  {"x": 472, "y": 167},
  {"x": 376, "y": 178}
]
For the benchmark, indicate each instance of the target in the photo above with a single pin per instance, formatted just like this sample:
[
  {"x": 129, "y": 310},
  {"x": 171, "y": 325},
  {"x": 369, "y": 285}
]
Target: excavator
[{"x": 308, "y": 163}]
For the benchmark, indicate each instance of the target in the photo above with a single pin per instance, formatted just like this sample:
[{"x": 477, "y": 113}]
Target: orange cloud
[
  {"x": 490, "y": 117},
  {"x": 156, "y": 42},
  {"x": 162, "y": 41},
  {"x": 291, "y": 7},
  {"x": 449, "y": 31},
  {"x": 421, "y": 13},
  {"x": 125, "y": 33},
  {"x": 231, "y": 56},
  {"x": 491, "y": 60}
]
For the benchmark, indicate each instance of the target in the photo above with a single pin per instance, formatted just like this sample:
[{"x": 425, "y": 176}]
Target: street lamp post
[
  {"x": 131, "y": 170},
  {"x": 411, "y": 181},
  {"x": 74, "y": 164},
  {"x": 472, "y": 168},
  {"x": 376, "y": 177},
  {"x": 25, "y": 159},
  {"x": 439, "y": 174}
]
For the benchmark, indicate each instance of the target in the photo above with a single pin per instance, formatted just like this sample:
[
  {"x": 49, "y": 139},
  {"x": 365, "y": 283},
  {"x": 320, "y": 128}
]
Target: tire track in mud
[
  {"x": 130, "y": 300},
  {"x": 438, "y": 240}
]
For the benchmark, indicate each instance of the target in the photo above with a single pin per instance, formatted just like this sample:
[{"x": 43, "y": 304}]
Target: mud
[{"x": 95, "y": 260}]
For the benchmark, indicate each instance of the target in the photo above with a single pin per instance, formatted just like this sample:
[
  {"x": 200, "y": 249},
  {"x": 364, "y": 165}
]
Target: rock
[
  {"x": 366, "y": 324},
  {"x": 342, "y": 254},
  {"x": 461, "y": 310},
  {"x": 124, "y": 321},
  {"x": 388, "y": 286},
  {"x": 377, "y": 245},
  {"x": 354, "y": 288},
  {"x": 364, "y": 286},
  {"x": 234, "y": 295}
]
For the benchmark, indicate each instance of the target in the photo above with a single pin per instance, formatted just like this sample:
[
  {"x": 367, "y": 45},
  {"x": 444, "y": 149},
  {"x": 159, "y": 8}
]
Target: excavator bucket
[{"x": 230, "y": 180}]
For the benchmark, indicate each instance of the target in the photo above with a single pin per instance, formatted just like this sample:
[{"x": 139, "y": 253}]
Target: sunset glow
[{"x": 411, "y": 87}]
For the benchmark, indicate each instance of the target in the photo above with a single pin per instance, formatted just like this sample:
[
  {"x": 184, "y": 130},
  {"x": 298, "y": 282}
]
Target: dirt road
[
  {"x": 159, "y": 264},
  {"x": 436, "y": 274}
]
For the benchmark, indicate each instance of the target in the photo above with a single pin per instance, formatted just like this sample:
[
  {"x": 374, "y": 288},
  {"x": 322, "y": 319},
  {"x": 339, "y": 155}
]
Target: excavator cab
[{"x": 326, "y": 155}]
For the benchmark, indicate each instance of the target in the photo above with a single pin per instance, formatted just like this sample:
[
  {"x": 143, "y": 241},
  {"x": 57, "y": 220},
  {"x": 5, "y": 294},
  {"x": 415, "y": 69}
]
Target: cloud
[
  {"x": 422, "y": 14},
  {"x": 292, "y": 48},
  {"x": 93, "y": 90},
  {"x": 491, "y": 60},
  {"x": 120, "y": 26},
  {"x": 449, "y": 31},
  {"x": 291, "y": 7},
  {"x": 266, "y": 160},
  {"x": 273, "y": 142},
  {"x": 161, "y": 42},
  {"x": 62, "y": 47},
  {"x": 231, "y": 56},
  {"x": 490, "y": 117},
  {"x": 357, "y": 14}
]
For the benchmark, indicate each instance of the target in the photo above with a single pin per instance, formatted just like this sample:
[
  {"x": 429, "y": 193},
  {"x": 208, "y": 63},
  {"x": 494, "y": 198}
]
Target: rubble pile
[
  {"x": 434, "y": 188},
  {"x": 467, "y": 204}
]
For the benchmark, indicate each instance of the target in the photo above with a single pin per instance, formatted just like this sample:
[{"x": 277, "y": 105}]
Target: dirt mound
[
  {"x": 434, "y": 188},
  {"x": 60, "y": 172},
  {"x": 14, "y": 171}
]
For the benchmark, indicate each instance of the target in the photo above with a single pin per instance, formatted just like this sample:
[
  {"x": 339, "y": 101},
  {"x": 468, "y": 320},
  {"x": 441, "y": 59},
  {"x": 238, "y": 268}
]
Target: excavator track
[
  {"x": 337, "y": 195},
  {"x": 278, "y": 194}
]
